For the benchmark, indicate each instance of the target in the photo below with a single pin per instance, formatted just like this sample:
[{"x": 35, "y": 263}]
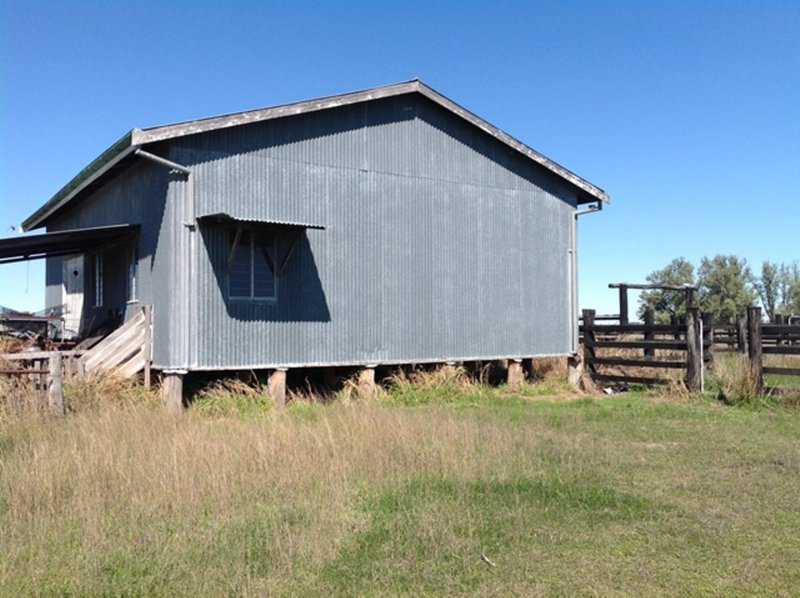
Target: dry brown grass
[
  {"x": 361, "y": 497},
  {"x": 107, "y": 481}
]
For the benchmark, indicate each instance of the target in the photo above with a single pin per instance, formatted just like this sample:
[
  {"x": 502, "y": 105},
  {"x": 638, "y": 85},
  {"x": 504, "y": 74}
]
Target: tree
[
  {"x": 668, "y": 303},
  {"x": 724, "y": 287},
  {"x": 778, "y": 288},
  {"x": 790, "y": 288},
  {"x": 769, "y": 288}
]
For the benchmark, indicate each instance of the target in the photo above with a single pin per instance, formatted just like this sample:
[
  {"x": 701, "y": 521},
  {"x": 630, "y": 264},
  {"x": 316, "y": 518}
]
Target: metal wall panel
[
  {"x": 143, "y": 194},
  {"x": 441, "y": 243}
]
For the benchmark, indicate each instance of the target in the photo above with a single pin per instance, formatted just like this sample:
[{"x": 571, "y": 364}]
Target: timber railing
[
  {"x": 43, "y": 371},
  {"x": 689, "y": 345},
  {"x": 662, "y": 346},
  {"x": 126, "y": 351}
]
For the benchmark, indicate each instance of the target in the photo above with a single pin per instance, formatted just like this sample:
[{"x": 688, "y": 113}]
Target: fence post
[
  {"x": 741, "y": 334},
  {"x": 754, "y": 346},
  {"x": 694, "y": 350},
  {"x": 778, "y": 319},
  {"x": 708, "y": 333},
  {"x": 623, "y": 304},
  {"x": 649, "y": 320},
  {"x": 588, "y": 341},
  {"x": 55, "y": 394}
]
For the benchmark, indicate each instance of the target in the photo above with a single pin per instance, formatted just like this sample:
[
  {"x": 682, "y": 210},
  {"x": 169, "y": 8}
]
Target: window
[
  {"x": 98, "y": 280},
  {"x": 133, "y": 273},
  {"x": 251, "y": 274}
]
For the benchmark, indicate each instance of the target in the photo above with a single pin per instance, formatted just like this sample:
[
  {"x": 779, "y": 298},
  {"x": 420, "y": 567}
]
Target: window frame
[
  {"x": 132, "y": 276},
  {"x": 98, "y": 280},
  {"x": 251, "y": 238}
]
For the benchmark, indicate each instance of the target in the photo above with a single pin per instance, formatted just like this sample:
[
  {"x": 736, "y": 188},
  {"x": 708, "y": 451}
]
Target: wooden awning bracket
[
  {"x": 281, "y": 268},
  {"x": 235, "y": 244},
  {"x": 289, "y": 252}
]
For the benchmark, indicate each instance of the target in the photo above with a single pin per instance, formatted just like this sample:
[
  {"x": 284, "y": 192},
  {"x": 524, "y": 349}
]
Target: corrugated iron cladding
[
  {"x": 441, "y": 242},
  {"x": 145, "y": 194}
]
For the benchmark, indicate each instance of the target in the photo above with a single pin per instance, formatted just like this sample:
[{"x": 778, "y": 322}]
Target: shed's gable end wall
[{"x": 441, "y": 243}]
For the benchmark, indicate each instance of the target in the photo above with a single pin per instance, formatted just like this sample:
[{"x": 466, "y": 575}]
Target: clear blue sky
[{"x": 687, "y": 113}]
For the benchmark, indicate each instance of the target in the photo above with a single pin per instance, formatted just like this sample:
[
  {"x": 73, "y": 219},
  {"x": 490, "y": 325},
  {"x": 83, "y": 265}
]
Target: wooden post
[
  {"x": 277, "y": 386},
  {"x": 754, "y": 346},
  {"x": 329, "y": 377},
  {"x": 514, "y": 374},
  {"x": 623, "y": 304},
  {"x": 38, "y": 385},
  {"x": 779, "y": 320},
  {"x": 147, "y": 353},
  {"x": 708, "y": 333},
  {"x": 675, "y": 321},
  {"x": 172, "y": 391},
  {"x": 55, "y": 395},
  {"x": 741, "y": 334},
  {"x": 588, "y": 341},
  {"x": 694, "y": 350},
  {"x": 574, "y": 370},
  {"x": 649, "y": 321},
  {"x": 366, "y": 382}
]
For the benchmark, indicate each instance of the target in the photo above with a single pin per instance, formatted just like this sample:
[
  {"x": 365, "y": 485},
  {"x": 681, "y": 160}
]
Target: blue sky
[{"x": 687, "y": 113}]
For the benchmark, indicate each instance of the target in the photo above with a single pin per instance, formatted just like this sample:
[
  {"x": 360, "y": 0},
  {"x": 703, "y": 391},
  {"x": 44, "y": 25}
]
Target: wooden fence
[
  {"x": 654, "y": 340},
  {"x": 695, "y": 341},
  {"x": 126, "y": 351}
]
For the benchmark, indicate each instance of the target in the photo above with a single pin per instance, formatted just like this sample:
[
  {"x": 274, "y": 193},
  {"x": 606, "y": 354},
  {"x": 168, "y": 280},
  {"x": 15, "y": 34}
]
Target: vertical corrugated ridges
[{"x": 439, "y": 243}]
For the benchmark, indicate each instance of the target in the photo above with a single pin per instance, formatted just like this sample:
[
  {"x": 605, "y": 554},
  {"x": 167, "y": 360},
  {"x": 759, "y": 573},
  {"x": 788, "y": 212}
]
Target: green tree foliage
[
  {"x": 724, "y": 285},
  {"x": 769, "y": 288},
  {"x": 668, "y": 303},
  {"x": 793, "y": 296},
  {"x": 778, "y": 288}
]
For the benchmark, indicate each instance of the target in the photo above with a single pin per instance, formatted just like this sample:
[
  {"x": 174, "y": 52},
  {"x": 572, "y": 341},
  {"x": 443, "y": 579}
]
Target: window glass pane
[
  {"x": 98, "y": 280},
  {"x": 133, "y": 271},
  {"x": 239, "y": 281},
  {"x": 263, "y": 278}
]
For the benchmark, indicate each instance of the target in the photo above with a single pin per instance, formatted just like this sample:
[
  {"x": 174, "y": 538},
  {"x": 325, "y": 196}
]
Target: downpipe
[
  {"x": 573, "y": 262},
  {"x": 188, "y": 218}
]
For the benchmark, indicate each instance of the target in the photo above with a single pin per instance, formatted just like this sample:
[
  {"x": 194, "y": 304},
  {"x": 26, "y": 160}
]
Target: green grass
[{"x": 633, "y": 494}]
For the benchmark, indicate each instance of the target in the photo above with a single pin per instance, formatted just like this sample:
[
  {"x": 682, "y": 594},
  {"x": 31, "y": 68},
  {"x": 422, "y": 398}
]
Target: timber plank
[{"x": 643, "y": 363}]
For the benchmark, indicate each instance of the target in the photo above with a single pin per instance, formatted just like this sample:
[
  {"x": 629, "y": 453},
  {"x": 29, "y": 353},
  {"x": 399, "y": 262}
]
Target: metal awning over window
[
  {"x": 63, "y": 242},
  {"x": 277, "y": 263}
]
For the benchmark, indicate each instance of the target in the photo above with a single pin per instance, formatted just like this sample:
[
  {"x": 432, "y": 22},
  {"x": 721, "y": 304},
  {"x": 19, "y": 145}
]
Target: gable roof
[{"x": 114, "y": 156}]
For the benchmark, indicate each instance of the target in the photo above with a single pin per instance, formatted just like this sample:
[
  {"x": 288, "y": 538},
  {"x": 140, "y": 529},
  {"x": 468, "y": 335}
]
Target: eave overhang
[{"x": 65, "y": 242}]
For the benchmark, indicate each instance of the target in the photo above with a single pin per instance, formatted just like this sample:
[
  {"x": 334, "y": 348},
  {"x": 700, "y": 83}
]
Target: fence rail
[
  {"x": 127, "y": 351},
  {"x": 695, "y": 341}
]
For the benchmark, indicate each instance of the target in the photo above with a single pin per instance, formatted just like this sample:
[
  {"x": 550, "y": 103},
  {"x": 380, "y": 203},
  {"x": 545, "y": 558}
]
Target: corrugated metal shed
[{"x": 436, "y": 236}]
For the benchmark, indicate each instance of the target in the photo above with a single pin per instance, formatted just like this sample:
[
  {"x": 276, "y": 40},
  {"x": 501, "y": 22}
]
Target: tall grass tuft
[
  {"x": 232, "y": 396},
  {"x": 736, "y": 381}
]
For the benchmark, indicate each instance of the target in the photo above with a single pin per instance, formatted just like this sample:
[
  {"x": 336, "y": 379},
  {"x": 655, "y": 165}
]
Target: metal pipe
[
  {"x": 574, "y": 272},
  {"x": 187, "y": 253},
  {"x": 162, "y": 161}
]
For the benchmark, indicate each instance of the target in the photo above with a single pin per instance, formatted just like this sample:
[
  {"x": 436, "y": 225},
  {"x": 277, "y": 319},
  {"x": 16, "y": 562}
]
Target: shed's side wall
[
  {"x": 139, "y": 195},
  {"x": 441, "y": 243}
]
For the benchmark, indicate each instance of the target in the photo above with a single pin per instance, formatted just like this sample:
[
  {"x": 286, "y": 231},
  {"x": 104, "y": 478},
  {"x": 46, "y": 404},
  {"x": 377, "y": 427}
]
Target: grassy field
[{"x": 431, "y": 489}]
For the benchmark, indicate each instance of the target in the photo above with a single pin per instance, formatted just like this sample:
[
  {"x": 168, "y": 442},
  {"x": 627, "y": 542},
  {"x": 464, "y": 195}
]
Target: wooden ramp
[{"x": 127, "y": 350}]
